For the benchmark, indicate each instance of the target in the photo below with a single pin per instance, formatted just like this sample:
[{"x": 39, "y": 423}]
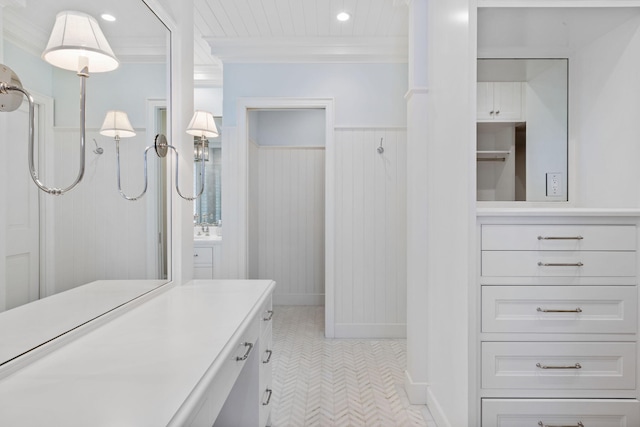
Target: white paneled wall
[
  {"x": 97, "y": 234},
  {"x": 286, "y": 217},
  {"x": 370, "y": 258}
]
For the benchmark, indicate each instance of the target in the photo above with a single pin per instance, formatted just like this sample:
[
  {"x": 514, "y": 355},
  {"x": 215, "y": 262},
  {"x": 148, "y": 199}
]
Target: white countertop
[
  {"x": 555, "y": 211},
  {"x": 28, "y": 326},
  {"x": 138, "y": 369}
]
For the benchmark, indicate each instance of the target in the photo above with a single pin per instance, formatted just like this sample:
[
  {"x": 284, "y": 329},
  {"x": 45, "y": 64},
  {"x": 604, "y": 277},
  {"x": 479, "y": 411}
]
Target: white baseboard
[
  {"x": 416, "y": 392},
  {"x": 436, "y": 410},
  {"x": 298, "y": 299},
  {"x": 370, "y": 330}
]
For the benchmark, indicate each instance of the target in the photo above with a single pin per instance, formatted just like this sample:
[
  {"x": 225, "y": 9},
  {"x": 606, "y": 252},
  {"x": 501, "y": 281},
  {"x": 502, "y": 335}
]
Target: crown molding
[
  {"x": 207, "y": 75},
  {"x": 309, "y": 49}
]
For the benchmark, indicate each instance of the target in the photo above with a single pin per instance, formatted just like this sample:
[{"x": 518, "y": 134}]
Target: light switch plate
[{"x": 554, "y": 184}]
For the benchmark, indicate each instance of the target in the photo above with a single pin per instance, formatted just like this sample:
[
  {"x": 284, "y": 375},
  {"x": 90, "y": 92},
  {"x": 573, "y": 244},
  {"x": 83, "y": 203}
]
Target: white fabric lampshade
[
  {"x": 202, "y": 124},
  {"x": 116, "y": 123},
  {"x": 76, "y": 35}
]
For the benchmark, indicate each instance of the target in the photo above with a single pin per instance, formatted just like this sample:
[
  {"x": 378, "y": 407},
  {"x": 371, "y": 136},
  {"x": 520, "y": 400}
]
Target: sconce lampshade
[
  {"x": 76, "y": 41},
  {"x": 202, "y": 124},
  {"x": 116, "y": 124}
]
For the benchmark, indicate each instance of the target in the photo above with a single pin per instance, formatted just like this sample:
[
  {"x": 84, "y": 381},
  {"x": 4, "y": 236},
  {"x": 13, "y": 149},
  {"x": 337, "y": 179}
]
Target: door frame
[{"x": 243, "y": 107}]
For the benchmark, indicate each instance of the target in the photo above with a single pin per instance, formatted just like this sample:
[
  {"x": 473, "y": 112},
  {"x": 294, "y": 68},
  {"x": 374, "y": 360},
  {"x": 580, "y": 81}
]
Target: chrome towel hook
[{"x": 380, "y": 148}]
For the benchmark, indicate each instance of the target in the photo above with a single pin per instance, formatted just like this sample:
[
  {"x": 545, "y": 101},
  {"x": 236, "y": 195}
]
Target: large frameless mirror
[
  {"x": 522, "y": 130},
  {"x": 90, "y": 235}
]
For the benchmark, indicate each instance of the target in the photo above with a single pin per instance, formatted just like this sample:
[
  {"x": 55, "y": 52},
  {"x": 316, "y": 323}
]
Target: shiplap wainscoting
[
  {"x": 98, "y": 234},
  {"x": 370, "y": 250},
  {"x": 286, "y": 221}
]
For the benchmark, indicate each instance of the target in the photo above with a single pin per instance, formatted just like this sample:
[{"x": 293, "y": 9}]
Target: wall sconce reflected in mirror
[
  {"x": 76, "y": 43},
  {"x": 116, "y": 125},
  {"x": 201, "y": 151}
]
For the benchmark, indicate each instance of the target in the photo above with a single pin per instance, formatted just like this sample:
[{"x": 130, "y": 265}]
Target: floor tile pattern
[{"x": 330, "y": 382}]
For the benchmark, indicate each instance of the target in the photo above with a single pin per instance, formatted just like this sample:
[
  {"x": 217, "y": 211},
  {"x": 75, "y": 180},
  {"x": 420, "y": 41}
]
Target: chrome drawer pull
[
  {"x": 249, "y": 347},
  {"x": 560, "y": 264},
  {"x": 269, "y": 317},
  {"x": 576, "y": 366},
  {"x": 560, "y": 238},
  {"x": 541, "y": 424},
  {"x": 269, "y": 352},
  {"x": 541, "y": 310},
  {"x": 270, "y": 392}
]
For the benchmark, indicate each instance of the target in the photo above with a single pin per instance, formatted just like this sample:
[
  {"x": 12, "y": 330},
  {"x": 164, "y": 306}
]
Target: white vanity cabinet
[
  {"x": 207, "y": 258},
  {"x": 557, "y": 311},
  {"x": 500, "y": 101},
  {"x": 190, "y": 356}
]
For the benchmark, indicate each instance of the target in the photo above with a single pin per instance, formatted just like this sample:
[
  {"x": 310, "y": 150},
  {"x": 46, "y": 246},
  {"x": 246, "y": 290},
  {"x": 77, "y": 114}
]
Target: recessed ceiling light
[
  {"x": 108, "y": 17},
  {"x": 343, "y": 16}
]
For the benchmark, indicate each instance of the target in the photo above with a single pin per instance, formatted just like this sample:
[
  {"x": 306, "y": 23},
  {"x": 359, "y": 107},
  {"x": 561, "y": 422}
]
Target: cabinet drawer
[
  {"x": 559, "y": 309},
  {"x": 560, "y": 412},
  {"x": 266, "y": 375},
  {"x": 558, "y": 264},
  {"x": 202, "y": 256},
  {"x": 559, "y": 237},
  {"x": 559, "y": 366}
]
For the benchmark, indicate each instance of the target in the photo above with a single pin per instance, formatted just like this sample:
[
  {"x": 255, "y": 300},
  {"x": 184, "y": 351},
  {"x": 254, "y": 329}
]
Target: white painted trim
[
  {"x": 558, "y": 3},
  {"x": 243, "y": 105},
  {"x": 46, "y": 203},
  {"x": 416, "y": 392},
  {"x": 298, "y": 299},
  {"x": 416, "y": 91},
  {"x": 371, "y": 330},
  {"x": 289, "y": 147},
  {"x": 152, "y": 107},
  {"x": 436, "y": 410},
  {"x": 365, "y": 127}
]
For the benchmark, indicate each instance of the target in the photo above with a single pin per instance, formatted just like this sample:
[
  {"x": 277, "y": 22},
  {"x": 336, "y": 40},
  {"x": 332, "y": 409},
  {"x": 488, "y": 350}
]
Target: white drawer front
[
  {"x": 558, "y": 264},
  {"x": 559, "y": 366},
  {"x": 559, "y": 237},
  {"x": 560, "y": 412},
  {"x": 559, "y": 309},
  {"x": 202, "y": 256}
]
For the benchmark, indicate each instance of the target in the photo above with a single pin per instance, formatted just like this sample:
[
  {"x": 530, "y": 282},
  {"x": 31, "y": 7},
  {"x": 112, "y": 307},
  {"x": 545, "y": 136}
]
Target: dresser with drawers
[{"x": 557, "y": 319}]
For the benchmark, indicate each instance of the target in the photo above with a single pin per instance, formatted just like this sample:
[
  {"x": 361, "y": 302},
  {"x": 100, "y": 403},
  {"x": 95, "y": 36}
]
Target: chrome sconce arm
[
  {"x": 146, "y": 181},
  {"x": 162, "y": 146},
  {"x": 12, "y": 105},
  {"x": 116, "y": 124}
]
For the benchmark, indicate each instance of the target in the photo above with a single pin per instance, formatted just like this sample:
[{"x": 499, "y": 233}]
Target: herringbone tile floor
[{"x": 325, "y": 382}]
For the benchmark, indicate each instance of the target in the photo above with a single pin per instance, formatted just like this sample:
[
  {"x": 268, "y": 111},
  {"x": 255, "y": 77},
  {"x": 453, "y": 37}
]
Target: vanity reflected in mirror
[
  {"x": 522, "y": 130},
  {"x": 91, "y": 234}
]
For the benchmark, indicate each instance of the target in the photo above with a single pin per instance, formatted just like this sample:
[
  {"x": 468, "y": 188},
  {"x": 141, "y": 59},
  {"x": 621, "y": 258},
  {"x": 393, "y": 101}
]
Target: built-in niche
[{"x": 522, "y": 130}]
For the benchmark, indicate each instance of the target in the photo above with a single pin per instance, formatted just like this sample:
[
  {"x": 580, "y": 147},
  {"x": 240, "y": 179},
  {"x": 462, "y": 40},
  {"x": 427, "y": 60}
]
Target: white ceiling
[{"x": 296, "y": 30}]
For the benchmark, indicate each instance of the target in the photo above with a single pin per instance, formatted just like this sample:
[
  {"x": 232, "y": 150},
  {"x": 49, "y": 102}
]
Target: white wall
[
  {"x": 368, "y": 97},
  {"x": 605, "y": 107},
  {"x": 370, "y": 283},
  {"x": 546, "y": 117},
  {"x": 287, "y": 238}
]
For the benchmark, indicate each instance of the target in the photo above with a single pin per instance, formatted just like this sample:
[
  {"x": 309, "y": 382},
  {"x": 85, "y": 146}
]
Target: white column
[
  {"x": 416, "y": 381},
  {"x": 440, "y": 205}
]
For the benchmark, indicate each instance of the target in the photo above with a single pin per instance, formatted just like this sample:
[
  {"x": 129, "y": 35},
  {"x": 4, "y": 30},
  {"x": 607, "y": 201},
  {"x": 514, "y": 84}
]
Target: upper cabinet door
[
  {"x": 500, "y": 101},
  {"x": 485, "y": 101}
]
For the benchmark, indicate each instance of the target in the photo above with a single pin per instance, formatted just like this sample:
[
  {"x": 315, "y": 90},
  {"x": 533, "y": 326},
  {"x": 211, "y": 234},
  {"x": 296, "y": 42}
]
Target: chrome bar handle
[
  {"x": 541, "y": 424},
  {"x": 560, "y": 238},
  {"x": 269, "y": 392},
  {"x": 249, "y": 348},
  {"x": 542, "y": 310},
  {"x": 559, "y": 264},
  {"x": 269, "y": 316},
  {"x": 576, "y": 366},
  {"x": 269, "y": 353}
]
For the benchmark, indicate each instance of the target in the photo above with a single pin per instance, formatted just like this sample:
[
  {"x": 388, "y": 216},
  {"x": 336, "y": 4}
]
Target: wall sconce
[
  {"x": 116, "y": 125},
  {"x": 78, "y": 44}
]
